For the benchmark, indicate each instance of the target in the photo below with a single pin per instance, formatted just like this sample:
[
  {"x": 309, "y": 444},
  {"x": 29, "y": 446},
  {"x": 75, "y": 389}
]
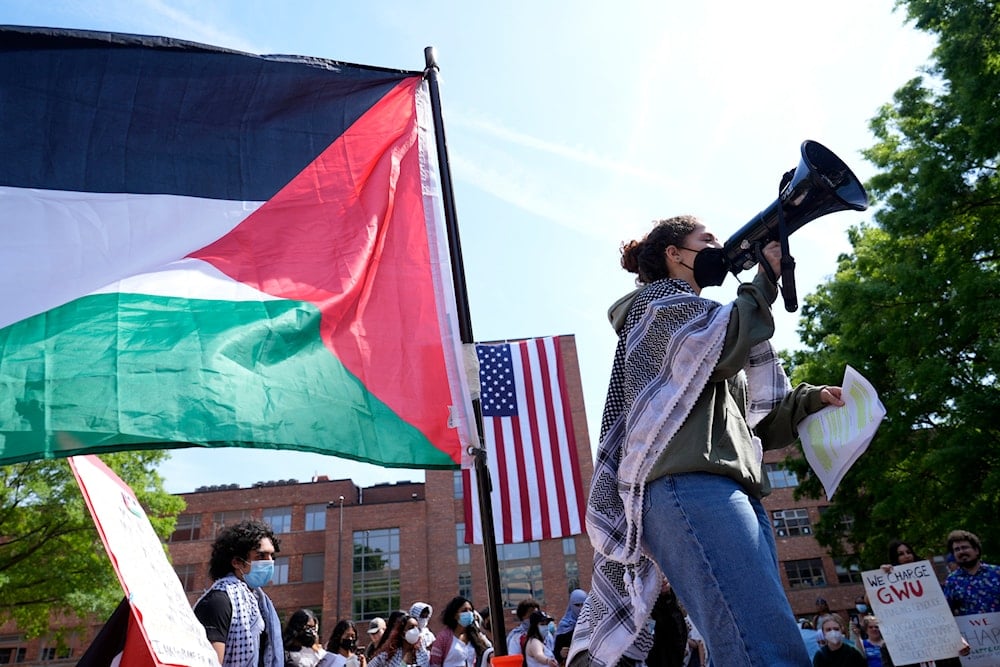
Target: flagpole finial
[{"x": 430, "y": 58}]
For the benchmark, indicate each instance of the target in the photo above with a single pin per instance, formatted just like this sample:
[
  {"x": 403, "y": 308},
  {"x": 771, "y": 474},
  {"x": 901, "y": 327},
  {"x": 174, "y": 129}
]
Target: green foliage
[
  {"x": 52, "y": 560},
  {"x": 916, "y": 306}
]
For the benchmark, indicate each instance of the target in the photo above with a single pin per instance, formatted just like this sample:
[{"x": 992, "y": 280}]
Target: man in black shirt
[{"x": 239, "y": 618}]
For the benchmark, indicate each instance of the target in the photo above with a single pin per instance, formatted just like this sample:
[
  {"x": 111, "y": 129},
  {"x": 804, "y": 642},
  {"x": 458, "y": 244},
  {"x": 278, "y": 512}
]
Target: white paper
[{"x": 835, "y": 437}]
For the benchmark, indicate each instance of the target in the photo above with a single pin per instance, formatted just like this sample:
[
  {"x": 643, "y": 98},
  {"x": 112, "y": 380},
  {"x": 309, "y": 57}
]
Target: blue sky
[{"x": 571, "y": 126}]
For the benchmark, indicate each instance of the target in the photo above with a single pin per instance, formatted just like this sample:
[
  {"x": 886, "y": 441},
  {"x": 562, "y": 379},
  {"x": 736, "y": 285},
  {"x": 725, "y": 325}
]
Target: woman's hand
[
  {"x": 772, "y": 254},
  {"x": 831, "y": 396}
]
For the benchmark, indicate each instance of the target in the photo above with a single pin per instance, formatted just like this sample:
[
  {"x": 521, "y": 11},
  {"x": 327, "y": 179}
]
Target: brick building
[{"x": 348, "y": 551}]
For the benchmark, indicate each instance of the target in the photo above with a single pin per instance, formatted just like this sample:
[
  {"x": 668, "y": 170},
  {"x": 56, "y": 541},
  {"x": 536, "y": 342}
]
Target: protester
[
  {"x": 342, "y": 647},
  {"x": 460, "y": 643},
  {"x": 422, "y": 612},
  {"x": 974, "y": 587},
  {"x": 670, "y": 632},
  {"x": 835, "y": 652},
  {"x": 696, "y": 394},
  {"x": 301, "y": 640},
  {"x": 564, "y": 630},
  {"x": 873, "y": 642},
  {"x": 376, "y": 628},
  {"x": 401, "y": 645},
  {"x": 240, "y": 620},
  {"x": 810, "y": 637},
  {"x": 525, "y": 608},
  {"x": 535, "y": 652}
]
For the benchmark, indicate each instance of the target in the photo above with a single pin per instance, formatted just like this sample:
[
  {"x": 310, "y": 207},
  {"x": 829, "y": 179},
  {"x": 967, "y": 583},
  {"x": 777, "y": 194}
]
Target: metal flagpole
[{"x": 483, "y": 482}]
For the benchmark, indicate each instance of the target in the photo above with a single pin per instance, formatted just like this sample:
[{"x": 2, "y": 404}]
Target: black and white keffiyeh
[
  {"x": 246, "y": 626},
  {"x": 667, "y": 350}
]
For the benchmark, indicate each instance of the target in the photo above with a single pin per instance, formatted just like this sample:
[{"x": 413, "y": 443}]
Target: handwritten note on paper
[{"x": 835, "y": 437}]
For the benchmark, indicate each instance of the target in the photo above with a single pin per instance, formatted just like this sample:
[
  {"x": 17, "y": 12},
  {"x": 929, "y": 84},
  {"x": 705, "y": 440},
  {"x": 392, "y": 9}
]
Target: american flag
[{"x": 531, "y": 448}]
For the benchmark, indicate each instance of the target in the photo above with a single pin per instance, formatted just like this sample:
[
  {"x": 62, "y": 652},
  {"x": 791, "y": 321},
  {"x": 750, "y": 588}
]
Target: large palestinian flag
[{"x": 206, "y": 247}]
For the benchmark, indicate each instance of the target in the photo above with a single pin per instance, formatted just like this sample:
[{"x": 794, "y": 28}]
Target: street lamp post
[{"x": 340, "y": 552}]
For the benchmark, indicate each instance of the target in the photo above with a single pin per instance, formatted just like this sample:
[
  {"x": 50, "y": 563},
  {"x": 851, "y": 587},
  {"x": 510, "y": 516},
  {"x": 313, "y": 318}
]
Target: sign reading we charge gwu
[{"x": 913, "y": 613}]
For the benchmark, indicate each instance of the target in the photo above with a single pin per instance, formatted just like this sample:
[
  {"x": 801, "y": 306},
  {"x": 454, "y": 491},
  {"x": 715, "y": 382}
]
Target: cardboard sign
[
  {"x": 913, "y": 613},
  {"x": 168, "y": 624},
  {"x": 982, "y": 631}
]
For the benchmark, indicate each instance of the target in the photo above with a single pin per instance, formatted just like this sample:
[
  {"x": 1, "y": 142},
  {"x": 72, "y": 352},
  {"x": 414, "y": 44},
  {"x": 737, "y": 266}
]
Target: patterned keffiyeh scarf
[
  {"x": 667, "y": 350},
  {"x": 243, "y": 642}
]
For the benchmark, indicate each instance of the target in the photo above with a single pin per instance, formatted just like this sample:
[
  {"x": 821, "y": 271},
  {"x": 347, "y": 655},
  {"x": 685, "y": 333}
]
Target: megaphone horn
[{"x": 820, "y": 185}]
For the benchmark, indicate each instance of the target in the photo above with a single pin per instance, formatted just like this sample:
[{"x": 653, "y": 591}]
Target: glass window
[
  {"x": 789, "y": 523},
  {"x": 458, "y": 488},
  {"x": 465, "y": 585},
  {"x": 375, "y": 573},
  {"x": 571, "y": 564},
  {"x": 312, "y": 567},
  {"x": 187, "y": 528},
  {"x": 48, "y": 654},
  {"x": 316, "y": 517},
  {"x": 222, "y": 519},
  {"x": 464, "y": 552},
  {"x": 10, "y": 655},
  {"x": 848, "y": 571},
  {"x": 188, "y": 574},
  {"x": 280, "y": 571},
  {"x": 520, "y": 573},
  {"x": 779, "y": 477},
  {"x": 805, "y": 573},
  {"x": 279, "y": 518}
]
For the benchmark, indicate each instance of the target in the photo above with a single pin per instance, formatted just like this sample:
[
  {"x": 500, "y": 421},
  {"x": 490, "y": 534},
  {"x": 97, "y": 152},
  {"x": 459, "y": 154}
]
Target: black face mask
[
  {"x": 710, "y": 266},
  {"x": 307, "y": 637},
  {"x": 348, "y": 644}
]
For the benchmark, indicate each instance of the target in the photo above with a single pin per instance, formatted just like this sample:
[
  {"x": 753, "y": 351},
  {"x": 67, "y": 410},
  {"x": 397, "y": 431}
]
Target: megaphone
[{"x": 820, "y": 185}]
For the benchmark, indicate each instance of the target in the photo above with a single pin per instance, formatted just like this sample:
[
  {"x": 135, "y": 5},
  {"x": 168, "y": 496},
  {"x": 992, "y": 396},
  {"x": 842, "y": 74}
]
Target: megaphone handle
[
  {"x": 788, "y": 283},
  {"x": 787, "y": 261}
]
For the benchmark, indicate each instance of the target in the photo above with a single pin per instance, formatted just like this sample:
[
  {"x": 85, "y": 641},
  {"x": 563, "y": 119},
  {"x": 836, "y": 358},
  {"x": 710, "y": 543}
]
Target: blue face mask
[
  {"x": 260, "y": 573},
  {"x": 465, "y": 619}
]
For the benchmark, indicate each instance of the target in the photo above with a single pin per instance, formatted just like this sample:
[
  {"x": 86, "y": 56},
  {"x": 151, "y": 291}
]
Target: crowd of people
[{"x": 685, "y": 562}]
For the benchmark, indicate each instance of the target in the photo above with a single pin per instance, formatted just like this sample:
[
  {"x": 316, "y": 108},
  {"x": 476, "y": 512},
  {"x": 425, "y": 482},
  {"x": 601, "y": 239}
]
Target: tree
[
  {"x": 52, "y": 560},
  {"x": 915, "y": 307}
]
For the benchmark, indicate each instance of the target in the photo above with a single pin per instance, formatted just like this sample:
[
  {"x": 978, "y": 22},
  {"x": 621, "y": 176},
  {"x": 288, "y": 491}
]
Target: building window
[
  {"x": 222, "y": 519},
  {"x": 520, "y": 573},
  {"x": 312, "y": 567},
  {"x": 846, "y": 520},
  {"x": 53, "y": 653},
  {"x": 375, "y": 573},
  {"x": 464, "y": 552},
  {"x": 187, "y": 528},
  {"x": 465, "y": 585},
  {"x": 280, "y": 571},
  {"x": 9, "y": 655},
  {"x": 806, "y": 573},
  {"x": 848, "y": 572},
  {"x": 457, "y": 485},
  {"x": 789, "y": 523},
  {"x": 779, "y": 477},
  {"x": 279, "y": 518},
  {"x": 316, "y": 517},
  {"x": 188, "y": 575},
  {"x": 571, "y": 563}
]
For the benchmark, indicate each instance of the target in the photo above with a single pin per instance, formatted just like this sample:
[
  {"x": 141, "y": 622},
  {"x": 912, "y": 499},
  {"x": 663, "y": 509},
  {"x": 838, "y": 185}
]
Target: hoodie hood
[
  {"x": 418, "y": 608},
  {"x": 618, "y": 311}
]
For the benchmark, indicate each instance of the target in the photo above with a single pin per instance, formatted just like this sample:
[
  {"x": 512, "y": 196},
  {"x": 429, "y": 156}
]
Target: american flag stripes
[{"x": 531, "y": 448}]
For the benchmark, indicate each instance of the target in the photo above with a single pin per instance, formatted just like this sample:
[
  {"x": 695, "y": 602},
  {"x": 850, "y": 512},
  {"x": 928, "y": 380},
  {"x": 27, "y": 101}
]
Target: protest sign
[
  {"x": 158, "y": 603},
  {"x": 982, "y": 631},
  {"x": 913, "y": 613}
]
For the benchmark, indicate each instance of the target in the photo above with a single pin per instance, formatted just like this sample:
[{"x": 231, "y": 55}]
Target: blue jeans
[{"x": 714, "y": 543}]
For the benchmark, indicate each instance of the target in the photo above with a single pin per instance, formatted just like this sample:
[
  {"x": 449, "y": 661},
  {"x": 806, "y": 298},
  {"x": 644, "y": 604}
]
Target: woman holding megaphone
[{"x": 696, "y": 395}]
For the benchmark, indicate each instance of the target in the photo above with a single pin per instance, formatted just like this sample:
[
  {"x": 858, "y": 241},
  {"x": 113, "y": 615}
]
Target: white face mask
[
  {"x": 421, "y": 623},
  {"x": 835, "y": 637},
  {"x": 412, "y": 635}
]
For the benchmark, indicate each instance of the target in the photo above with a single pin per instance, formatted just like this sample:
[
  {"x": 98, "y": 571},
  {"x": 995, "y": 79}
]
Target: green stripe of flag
[{"x": 120, "y": 369}]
